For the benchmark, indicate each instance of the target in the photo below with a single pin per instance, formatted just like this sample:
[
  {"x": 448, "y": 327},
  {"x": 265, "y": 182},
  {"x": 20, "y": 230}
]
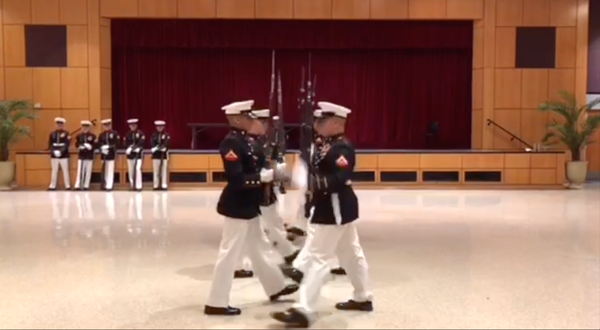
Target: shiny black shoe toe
[
  {"x": 292, "y": 317},
  {"x": 288, "y": 290},
  {"x": 290, "y": 259},
  {"x": 296, "y": 231},
  {"x": 241, "y": 273},
  {"x": 296, "y": 275},
  {"x": 351, "y": 305},
  {"x": 224, "y": 311},
  {"x": 338, "y": 271}
]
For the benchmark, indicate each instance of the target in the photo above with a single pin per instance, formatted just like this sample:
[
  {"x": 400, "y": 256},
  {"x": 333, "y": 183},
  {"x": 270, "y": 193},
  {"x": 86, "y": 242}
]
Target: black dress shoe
[
  {"x": 85, "y": 189},
  {"x": 67, "y": 188},
  {"x": 139, "y": 190},
  {"x": 156, "y": 189},
  {"x": 242, "y": 273},
  {"x": 225, "y": 311},
  {"x": 293, "y": 273},
  {"x": 107, "y": 190},
  {"x": 351, "y": 305},
  {"x": 338, "y": 271},
  {"x": 296, "y": 231},
  {"x": 290, "y": 259},
  {"x": 51, "y": 189},
  {"x": 292, "y": 317},
  {"x": 288, "y": 290}
]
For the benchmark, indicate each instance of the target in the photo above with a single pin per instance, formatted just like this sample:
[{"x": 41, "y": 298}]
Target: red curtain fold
[{"x": 395, "y": 92}]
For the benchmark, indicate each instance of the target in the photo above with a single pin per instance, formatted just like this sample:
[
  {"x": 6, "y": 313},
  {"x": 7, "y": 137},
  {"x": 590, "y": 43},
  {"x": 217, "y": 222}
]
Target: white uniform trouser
[
  {"x": 109, "y": 173},
  {"x": 157, "y": 175},
  {"x": 239, "y": 234},
  {"x": 84, "y": 171},
  {"x": 276, "y": 233},
  {"x": 321, "y": 248},
  {"x": 63, "y": 163},
  {"x": 135, "y": 173},
  {"x": 301, "y": 261}
]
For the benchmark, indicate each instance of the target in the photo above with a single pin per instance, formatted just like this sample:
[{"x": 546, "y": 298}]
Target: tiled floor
[{"x": 439, "y": 259}]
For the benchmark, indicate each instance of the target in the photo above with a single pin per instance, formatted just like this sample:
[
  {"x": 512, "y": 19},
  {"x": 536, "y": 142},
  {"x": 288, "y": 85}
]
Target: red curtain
[{"x": 397, "y": 77}]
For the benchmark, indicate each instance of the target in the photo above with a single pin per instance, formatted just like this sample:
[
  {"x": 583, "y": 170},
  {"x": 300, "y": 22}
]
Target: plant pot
[
  {"x": 576, "y": 174},
  {"x": 7, "y": 175}
]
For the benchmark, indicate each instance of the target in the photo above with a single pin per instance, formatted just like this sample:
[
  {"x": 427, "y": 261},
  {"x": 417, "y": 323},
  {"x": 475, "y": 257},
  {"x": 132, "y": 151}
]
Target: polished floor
[{"x": 438, "y": 259}]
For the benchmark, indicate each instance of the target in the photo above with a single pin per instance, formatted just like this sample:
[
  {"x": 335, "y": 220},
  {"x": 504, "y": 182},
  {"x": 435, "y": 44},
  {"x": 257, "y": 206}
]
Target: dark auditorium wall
[{"x": 502, "y": 91}]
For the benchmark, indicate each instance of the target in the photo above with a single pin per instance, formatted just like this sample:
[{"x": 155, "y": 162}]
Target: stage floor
[{"x": 438, "y": 259}]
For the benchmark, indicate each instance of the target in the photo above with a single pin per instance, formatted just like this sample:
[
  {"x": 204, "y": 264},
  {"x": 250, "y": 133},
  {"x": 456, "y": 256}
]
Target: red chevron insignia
[
  {"x": 231, "y": 156},
  {"x": 342, "y": 161}
]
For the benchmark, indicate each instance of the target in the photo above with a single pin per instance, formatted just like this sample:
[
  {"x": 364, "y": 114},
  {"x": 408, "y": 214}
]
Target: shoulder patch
[
  {"x": 231, "y": 156},
  {"x": 342, "y": 161}
]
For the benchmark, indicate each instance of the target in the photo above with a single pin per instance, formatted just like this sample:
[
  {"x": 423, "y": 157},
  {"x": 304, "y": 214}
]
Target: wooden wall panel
[
  {"x": 477, "y": 130},
  {"x": 506, "y": 47},
  {"x": 511, "y": 121},
  {"x": 478, "y": 89},
  {"x": 351, "y": 9},
  {"x": 94, "y": 93},
  {"x": 45, "y": 12},
  {"x": 196, "y": 8},
  {"x": 2, "y": 96},
  {"x": 426, "y": 9},
  {"x": 389, "y": 9},
  {"x": 517, "y": 176},
  {"x": 536, "y": 12},
  {"x": 560, "y": 79},
  {"x": 158, "y": 8},
  {"x": 105, "y": 48},
  {"x": 507, "y": 89},
  {"x": 279, "y": 9},
  {"x": 483, "y": 161},
  {"x": 432, "y": 161},
  {"x": 119, "y": 8},
  {"x": 534, "y": 90},
  {"x": 582, "y": 33},
  {"x": 478, "y": 47},
  {"x": 235, "y": 8},
  {"x": 73, "y": 12},
  {"x": 517, "y": 161},
  {"x": 465, "y": 9},
  {"x": 563, "y": 12},
  {"x": 77, "y": 46},
  {"x": 312, "y": 9},
  {"x": 16, "y": 12},
  {"x": 42, "y": 126},
  {"x": 14, "y": 45},
  {"x": 74, "y": 88},
  {"x": 533, "y": 125},
  {"x": 20, "y": 83},
  {"x": 106, "y": 88},
  {"x": 509, "y": 12},
  {"x": 489, "y": 28},
  {"x": 566, "y": 47},
  {"x": 398, "y": 161},
  {"x": 46, "y": 87},
  {"x": 74, "y": 118}
]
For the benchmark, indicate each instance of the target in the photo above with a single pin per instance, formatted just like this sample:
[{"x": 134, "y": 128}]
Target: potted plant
[
  {"x": 575, "y": 132},
  {"x": 11, "y": 113}
]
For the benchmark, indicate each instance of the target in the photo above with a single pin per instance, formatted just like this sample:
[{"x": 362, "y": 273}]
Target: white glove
[
  {"x": 137, "y": 150},
  {"x": 87, "y": 146},
  {"x": 81, "y": 147},
  {"x": 281, "y": 171},
  {"x": 104, "y": 147},
  {"x": 57, "y": 154},
  {"x": 300, "y": 175},
  {"x": 154, "y": 149},
  {"x": 104, "y": 151},
  {"x": 128, "y": 151},
  {"x": 163, "y": 149},
  {"x": 266, "y": 176}
]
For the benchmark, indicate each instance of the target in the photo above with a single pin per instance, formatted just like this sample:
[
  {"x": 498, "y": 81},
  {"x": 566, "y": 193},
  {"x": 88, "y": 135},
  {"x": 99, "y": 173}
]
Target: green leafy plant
[
  {"x": 577, "y": 128},
  {"x": 11, "y": 113}
]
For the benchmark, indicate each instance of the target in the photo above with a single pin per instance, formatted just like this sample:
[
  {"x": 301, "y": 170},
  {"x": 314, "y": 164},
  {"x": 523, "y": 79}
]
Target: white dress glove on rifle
[
  {"x": 137, "y": 150},
  {"x": 104, "y": 149},
  {"x": 128, "y": 151},
  {"x": 266, "y": 176},
  {"x": 81, "y": 147},
  {"x": 163, "y": 149},
  {"x": 87, "y": 146},
  {"x": 57, "y": 153},
  {"x": 300, "y": 175},
  {"x": 154, "y": 149}
]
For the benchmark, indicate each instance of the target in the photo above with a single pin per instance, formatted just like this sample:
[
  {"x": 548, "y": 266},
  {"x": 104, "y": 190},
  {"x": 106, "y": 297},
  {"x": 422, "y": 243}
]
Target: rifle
[
  {"x": 279, "y": 129},
  {"x": 270, "y": 140},
  {"x": 161, "y": 164},
  {"x": 306, "y": 106}
]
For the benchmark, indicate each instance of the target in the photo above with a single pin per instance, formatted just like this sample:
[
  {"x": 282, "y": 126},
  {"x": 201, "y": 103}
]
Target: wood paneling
[
  {"x": 235, "y": 8},
  {"x": 516, "y": 176},
  {"x": 46, "y": 87},
  {"x": 536, "y": 12},
  {"x": 105, "y": 48},
  {"x": 45, "y": 12},
  {"x": 506, "y": 44},
  {"x": 366, "y": 162},
  {"x": 14, "y": 45},
  {"x": 18, "y": 83},
  {"x": 566, "y": 39},
  {"x": 77, "y": 46},
  {"x": 73, "y": 12},
  {"x": 432, "y": 161},
  {"x": 560, "y": 79},
  {"x": 478, "y": 47},
  {"x": 398, "y": 161},
  {"x": 119, "y": 8},
  {"x": 426, "y": 9},
  {"x": 74, "y": 88},
  {"x": 582, "y": 33},
  {"x": 517, "y": 161},
  {"x": 389, "y": 9},
  {"x": 280, "y": 9},
  {"x": 478, "y": 89},
  {"x": 312, "y": 9},
  {"x": 465, "y": 9},
  {"x": 534, "y": 90},
  {"x": 543, "y": 161},
  {"x": 188, "y": 162},
  {"x": 94, "y": 94},
  {"x": 477, "y": 129},
  {"x": 533, "y": 125},
  {"x": 105, "y": 88},
  {"x": 2, "y": 96},
  {"x": 158, "y": 8},
  {"x": 74, "y": 118},
  {"x": 511, "y": 121},
  {"x": 196, "y": 8},
  {"x": 16, "y": 11},
  {"x": 351, "y": 9},
  {"x": 42, "y": 126},
  {"x": 543, "y": 176},
  {"x": 509, "y": 12},
  {"x": 483, "y": 161},
  {"x": 563, "y": 12},
  {"x": 507, "y": 85}
]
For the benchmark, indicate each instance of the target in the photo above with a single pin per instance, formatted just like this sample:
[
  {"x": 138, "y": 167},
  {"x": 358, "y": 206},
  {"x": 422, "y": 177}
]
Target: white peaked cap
[
  {"x": 132, "y": 121},
  {"x": 336, "y": 110},
  {"x": 106, "y": 121},
  {"x": 265, "y": 113},
  {"x": 159, "y": 123},
  {"x": 60, "y": 120},
  {"x": 237, "y": 108},
  {"x": 318, "y": 113},
  {"x": 86, "y": 123}
]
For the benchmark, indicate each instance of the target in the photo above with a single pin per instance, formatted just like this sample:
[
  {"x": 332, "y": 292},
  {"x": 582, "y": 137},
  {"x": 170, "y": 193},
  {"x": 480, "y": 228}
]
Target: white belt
[{"x": 58, "y": 144}]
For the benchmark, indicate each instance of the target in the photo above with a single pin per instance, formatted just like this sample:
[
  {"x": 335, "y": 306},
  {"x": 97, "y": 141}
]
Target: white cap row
[
  {"x": 237, "y": 108},
  {"x": 134, "y": 121}
]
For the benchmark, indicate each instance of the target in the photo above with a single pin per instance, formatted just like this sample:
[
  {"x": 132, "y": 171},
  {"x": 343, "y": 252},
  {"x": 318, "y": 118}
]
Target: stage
[{"x": 437, "y": 169}]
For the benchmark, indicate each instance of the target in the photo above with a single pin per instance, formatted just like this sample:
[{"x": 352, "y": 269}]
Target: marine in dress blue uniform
[
  {"x": 134, "y": 141},
  {"x": 333, "y": 222},
  {"x": 107, "y": 143},
  {"x": 84, "y": 142},
  {"x": 58, "y": 144},
  {"x": 240, "y": 203},
  {"x": 160, "y": 143}
]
